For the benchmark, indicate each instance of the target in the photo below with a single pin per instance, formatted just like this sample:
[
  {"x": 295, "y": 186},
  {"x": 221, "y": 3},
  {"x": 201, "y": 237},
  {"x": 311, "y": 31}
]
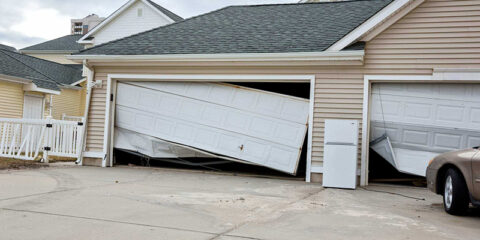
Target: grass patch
[{"x": 7, "y": 163}]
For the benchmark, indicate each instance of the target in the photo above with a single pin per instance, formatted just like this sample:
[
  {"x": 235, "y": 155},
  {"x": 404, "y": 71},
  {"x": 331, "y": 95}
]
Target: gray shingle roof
[
  {"x": 66, "y": 43},
  {"x": 167, "y": 12},
  {"x": 44, "y": 74},
  {"x": 309, "y": 27},
  {"x": 5, "y": 47}
]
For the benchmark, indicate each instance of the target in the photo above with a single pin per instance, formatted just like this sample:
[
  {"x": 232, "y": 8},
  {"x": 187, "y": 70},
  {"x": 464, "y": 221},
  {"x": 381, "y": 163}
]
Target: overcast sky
[{"x": 27, "y": 22}]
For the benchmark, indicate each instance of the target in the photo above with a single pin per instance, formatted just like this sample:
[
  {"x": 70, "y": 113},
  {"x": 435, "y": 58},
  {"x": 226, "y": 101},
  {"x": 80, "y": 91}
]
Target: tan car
[{"x": 456, "y": 176}]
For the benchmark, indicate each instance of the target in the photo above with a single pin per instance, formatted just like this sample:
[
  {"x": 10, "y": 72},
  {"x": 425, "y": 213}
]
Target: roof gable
[
  {"x": 65, "y": 44},
  {"x": 165, "y": 11},
  {"x": 162, "y": 17},
  {"x": 311, "y": 27}
]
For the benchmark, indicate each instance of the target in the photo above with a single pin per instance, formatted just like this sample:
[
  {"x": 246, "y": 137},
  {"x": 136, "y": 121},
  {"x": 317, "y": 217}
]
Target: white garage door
[
  {"x": 424, "y": 120},
  {"x": 256, "y": 126}
]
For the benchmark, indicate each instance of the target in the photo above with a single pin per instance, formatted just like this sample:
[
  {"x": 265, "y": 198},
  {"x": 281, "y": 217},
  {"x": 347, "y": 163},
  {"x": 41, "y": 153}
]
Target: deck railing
[{"x": 26, "y": 138}]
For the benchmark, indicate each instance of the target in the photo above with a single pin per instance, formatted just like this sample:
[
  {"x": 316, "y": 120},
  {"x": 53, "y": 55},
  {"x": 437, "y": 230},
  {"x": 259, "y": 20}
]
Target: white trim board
[
  {"x": 115, "y": 15},
  {"x": 355, "y": 55},
  {"x": 113, "y": 78},
  {"x": 369, "y": 25},
  {"x": 438, "y": 76}
]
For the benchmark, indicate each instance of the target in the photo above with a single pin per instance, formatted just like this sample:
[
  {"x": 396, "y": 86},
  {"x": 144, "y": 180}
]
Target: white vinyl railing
[
  {"x": 65, "y": 117},
  {"x": 26, "y": 138}
]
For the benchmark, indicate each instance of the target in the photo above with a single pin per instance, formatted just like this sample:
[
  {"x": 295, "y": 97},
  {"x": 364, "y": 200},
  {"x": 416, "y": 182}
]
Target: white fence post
[{"x": 47, "y": 146}]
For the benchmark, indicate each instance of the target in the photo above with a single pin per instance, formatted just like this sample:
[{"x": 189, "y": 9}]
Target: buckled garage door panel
[
  {"x": 246, "y": 99},
  {"x": 215, "y": 127},
  {"x": 424, "y": 120}
]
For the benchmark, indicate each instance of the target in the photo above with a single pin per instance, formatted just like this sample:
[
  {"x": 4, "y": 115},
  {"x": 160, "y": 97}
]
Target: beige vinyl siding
[
  {"x": 57, "y": 57},
  {"x": 338, "y": 95},
  {"x": 437, "y": 34},
  {"x": 68, "y": 102},
  {"x": 11, "y": 100}
]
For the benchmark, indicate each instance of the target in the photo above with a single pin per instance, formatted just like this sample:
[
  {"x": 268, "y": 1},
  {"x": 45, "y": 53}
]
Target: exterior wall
[
  {"x": 11, "y": 99},
  {"x": 69, "y": 102},
  {"x": 338, "y": 95},
  {"x": 437, "y": 34},
  {"x": 128, "y": 23},
  {"x": 57, "y": 57}
]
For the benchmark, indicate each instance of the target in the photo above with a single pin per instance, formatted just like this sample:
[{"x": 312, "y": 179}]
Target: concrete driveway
[{"x": 140, "y": 203}]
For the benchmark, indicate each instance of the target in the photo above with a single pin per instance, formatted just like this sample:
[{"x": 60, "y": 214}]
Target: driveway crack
[{"x": 282, "y": 206}]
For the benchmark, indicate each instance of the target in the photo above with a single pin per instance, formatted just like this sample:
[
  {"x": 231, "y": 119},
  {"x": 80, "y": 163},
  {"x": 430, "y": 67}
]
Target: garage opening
[
  {"x": 194, "y": 156},
  {"x": 412, "y": 123}
]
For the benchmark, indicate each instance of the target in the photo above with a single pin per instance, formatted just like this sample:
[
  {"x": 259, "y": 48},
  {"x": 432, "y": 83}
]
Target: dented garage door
[
  {"x": 256, "y": 126},
  {"x": 424, "y": 120}
]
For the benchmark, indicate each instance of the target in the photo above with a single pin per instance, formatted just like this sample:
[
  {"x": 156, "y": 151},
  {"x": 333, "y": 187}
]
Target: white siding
[{"x": 129, "y": 23}]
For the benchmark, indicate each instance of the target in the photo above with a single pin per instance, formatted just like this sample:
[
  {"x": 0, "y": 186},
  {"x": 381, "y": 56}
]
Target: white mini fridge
[{"x": 340, "y": 154}]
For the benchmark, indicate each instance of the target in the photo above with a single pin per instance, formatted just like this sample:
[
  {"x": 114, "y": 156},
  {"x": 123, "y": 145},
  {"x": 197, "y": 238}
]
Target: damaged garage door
[
  {"x": 422, "y": 121},
  {"x": 255, "y": 126}
]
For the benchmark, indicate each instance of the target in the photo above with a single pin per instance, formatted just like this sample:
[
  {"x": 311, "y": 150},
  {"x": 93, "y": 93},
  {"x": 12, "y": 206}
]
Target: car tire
[{"x": 455, "y": 195}]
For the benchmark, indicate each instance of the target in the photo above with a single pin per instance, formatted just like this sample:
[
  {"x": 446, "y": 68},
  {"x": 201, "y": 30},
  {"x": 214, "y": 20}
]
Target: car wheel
[{"x": 455, "y": 194}]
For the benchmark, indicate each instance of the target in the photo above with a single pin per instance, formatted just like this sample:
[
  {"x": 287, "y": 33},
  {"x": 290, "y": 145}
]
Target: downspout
[{"x": 90, "y": 84}]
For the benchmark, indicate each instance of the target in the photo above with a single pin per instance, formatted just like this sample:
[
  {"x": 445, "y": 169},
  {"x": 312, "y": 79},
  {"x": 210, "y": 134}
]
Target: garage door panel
[
  {"x": 475, "y": 116},
  {"x": 436, "y": 112},
  {"x": 424, "y": 137},
  {"x": 460, "y": 92},
  {"x": 224, "y": 143},
  {"x": 217, "y": 128},
  {"x": 423, "y": 120},
  {"x": 251, "y": 100},
  {"x": 473, "y": 141},
  {"x": 225, "y": 118}
]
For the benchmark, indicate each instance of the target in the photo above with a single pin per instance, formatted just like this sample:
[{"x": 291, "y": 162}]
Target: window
[{"x": 140, "y": 12}]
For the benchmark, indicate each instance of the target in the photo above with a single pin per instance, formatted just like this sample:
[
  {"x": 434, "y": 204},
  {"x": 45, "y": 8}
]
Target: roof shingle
[
  {"x": 308, "y": 27},
  {"x": 8, "y": 48},
  {"x": 66, "y": 43},
  {"x": 44, "y": 74}
]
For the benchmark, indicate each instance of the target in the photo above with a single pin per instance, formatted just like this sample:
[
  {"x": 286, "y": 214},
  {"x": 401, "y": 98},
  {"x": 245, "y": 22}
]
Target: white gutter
[
  {"x": 33, "y": 88},
  {"x": 73, "y": 87},
  {"x": 357, "y": 55},
  {"x": 78, "y": 82},
  {"x": 90, "y": 85},
  {"x": 14, "y": 79}
]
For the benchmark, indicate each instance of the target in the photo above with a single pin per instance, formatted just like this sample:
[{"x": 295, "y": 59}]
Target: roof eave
[
  {"x": 13, "y": 79},
  {"x": 47, "y": 51},
  {"x": 319, "y": 57},
  {"x": 34, "y": 88}
]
